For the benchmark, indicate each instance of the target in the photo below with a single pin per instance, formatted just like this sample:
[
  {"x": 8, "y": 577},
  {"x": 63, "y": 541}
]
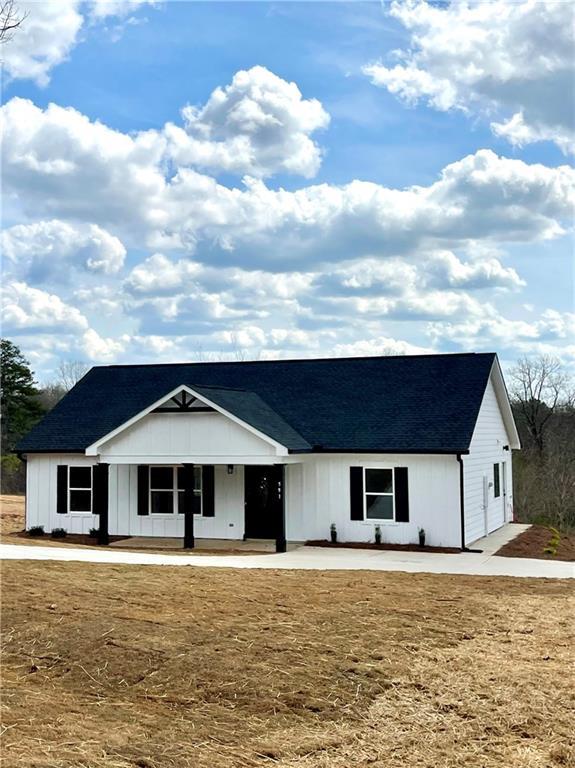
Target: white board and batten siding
[
  {"x": 227, "y": 523},
  {"x": 322, "y": 483},
  {"x": 484, "y": 512},
  {"x": 41, "y": 498},
  {"x": 161, "y": 435}
]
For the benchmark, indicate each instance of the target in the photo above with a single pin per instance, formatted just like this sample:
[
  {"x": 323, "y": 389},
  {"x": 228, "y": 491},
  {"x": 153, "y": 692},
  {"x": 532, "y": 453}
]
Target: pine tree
[{"x": 19, "y": 401}]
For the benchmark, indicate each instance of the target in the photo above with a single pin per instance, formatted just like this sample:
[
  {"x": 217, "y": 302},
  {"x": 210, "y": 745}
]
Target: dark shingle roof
[{"x": 426, "y": 403}]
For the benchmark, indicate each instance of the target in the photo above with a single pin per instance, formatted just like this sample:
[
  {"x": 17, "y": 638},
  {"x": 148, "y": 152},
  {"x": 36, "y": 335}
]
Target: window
[
  {"x": 496, "y": 482},
  {"x": 379, "y": 495},
  {"x": 167, "y": 490},
  {"x": 80, "y": 490}
]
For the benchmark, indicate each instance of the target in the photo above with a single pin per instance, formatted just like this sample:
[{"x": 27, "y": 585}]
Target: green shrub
[
  {"x": 36, "y": 530},
  {"x": 59, "y": 533}
]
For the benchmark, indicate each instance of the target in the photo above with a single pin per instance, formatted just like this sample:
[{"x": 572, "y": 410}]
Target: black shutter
[
  {"x": 401, "y": 495},
  {"x": 356, "y": 493},
  {"x": 208, "y": 505},
  {"x": 62, "y": 489},
  {"x": 100, "y": 488},
  {"x": 143, "y": 489}
]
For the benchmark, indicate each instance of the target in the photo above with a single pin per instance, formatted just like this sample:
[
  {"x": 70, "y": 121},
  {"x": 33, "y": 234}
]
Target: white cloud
[
  {"x": 513, "y": 60},
  {"x": 47, "y": 35},
  {"x": 547, "y": 334},
  {"x": 444, "y": 270},
  {"x": 30, "y": 310},
  {"x": 51, "y": 29},
  {"x": 46, "y": 250},
  {"x": 59, "y": 163},
  {"x": 100, "y": 9},
  {"x": 100, "y": 349},
  {"x": 158, "y": 274},
  {"x": 381, "y": 345},
  {"x": 259, "y": 124}
]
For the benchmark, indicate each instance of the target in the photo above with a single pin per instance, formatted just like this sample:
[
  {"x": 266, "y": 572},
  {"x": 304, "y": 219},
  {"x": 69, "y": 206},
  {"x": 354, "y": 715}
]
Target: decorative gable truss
[{"x": 185, "y": 400}]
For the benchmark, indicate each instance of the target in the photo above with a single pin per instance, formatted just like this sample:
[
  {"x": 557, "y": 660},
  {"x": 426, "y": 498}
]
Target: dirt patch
[
  {"x": 11, "y": 514},
  {"x": 124, "y": 666},
  {"x": 372, "y": 545},
  {"x": 533, "y": 541}
]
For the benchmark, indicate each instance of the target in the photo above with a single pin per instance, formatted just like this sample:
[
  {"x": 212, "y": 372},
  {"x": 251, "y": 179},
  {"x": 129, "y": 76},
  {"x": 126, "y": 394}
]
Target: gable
[{"x": 169, "y": 434}]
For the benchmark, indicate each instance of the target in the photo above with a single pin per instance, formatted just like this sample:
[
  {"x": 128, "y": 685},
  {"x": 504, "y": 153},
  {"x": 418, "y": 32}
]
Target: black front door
[{"x": 262, "y": 501}]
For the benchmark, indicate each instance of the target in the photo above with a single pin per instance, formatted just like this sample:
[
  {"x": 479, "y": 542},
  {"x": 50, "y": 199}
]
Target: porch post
[
  {"x": 100, "y": 501},
  {"x": 281, "y": 545},
  {"x": 189, "y": 507}
]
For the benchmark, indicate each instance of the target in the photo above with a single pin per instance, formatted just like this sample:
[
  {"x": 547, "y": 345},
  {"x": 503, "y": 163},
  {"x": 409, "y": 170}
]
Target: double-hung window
[
  {"x": 167, "y": 490},
  {"x": 379, "y": 501},
  {"x": 80, "y": 490}
]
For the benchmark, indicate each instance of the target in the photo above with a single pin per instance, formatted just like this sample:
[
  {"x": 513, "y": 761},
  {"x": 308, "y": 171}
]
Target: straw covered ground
[{"x": 157, "y": 667}]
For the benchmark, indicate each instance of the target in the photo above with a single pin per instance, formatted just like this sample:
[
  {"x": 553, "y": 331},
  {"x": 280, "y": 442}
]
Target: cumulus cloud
[
  {"x": 547, "y": 334},
  {"x": 100, "y": 9},
  {"x": 512, "y": 60},
  {"x": 51, "y": 30},
  {"x": 259, "y": 124},
  {"x": 45, "y": 39},
  {"x": 100, "y": 349},
  {"x": 445, "y": 270},
  {"x": 46, "y": 250},
  {"x": 380, "y": 345},
  {"x": 57, "y": 162},
  {"x": 30, "y": 310}
]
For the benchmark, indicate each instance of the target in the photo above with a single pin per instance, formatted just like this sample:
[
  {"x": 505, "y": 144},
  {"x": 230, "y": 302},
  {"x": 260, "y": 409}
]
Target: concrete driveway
[{"x": 312, "y": 558}]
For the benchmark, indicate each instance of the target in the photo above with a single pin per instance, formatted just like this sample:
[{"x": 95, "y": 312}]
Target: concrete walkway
[{"x": 312, "y": 558}]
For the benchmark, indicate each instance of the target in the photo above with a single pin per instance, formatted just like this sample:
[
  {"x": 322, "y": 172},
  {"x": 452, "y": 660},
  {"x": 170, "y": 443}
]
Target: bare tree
[
  {"x": 10, "y": 19},
  {"x": 539, "y": 387},
  {"x": 70, "y": 372}
]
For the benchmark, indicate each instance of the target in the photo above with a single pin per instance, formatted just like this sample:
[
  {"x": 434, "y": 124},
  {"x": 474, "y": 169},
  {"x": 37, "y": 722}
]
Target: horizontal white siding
[
  {"x": 485, "y": 450},
  {"x": 41, "y": 494},
  {"x": 433, "y": 500},
  {"x": 161, "y": 435}
]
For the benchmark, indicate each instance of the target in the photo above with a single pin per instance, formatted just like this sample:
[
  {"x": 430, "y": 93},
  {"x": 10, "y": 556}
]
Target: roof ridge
[{"x": 295, "y": 360}]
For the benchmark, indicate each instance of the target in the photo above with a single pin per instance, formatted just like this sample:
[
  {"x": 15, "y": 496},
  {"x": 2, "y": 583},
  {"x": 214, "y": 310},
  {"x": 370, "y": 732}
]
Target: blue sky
[{"x": 411, "y": 191}]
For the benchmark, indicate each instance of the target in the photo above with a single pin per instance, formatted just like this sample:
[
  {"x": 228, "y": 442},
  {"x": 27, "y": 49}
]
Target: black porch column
[
  {"x": 189, "y": 506},
  {"x": 281, "y": 510},
  {"x": 100, "y": 501}
]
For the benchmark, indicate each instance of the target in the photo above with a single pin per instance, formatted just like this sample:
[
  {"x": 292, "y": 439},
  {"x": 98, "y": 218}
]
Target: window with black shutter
[{"x": 379, "y": 494}]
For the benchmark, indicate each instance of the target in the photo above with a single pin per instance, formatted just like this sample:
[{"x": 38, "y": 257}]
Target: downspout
[{"x": 461, "y": 502}]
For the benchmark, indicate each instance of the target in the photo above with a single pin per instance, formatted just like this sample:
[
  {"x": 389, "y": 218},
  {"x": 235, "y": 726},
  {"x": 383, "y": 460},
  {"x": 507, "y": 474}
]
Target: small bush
[
  {"x": 36, "y": 530},
  {"x": 59, "y": 533},
  {"x": 93, "y": 533},
  {"x": 553, "y": 543}
]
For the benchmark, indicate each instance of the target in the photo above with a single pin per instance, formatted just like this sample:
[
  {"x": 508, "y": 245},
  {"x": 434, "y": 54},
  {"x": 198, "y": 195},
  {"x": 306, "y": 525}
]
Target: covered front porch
[
  {"x": 189, "y": 504},
  {"x": 190, "y": 466}
]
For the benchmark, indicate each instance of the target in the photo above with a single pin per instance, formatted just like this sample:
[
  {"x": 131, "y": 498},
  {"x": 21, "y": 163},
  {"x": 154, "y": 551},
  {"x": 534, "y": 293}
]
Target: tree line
[
  {"x": 542, "y": 398},
  {"x": 543, "y": 401},
  {"x": 23, "y": 403}
]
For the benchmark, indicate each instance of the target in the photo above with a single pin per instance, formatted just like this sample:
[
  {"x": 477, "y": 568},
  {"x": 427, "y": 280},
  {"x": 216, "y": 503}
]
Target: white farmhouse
[{"x": 279, "y": 450}]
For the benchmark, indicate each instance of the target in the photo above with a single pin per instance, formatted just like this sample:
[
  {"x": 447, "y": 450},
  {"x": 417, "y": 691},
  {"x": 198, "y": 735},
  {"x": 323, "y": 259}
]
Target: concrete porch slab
[{"x": 202, "y": 545}]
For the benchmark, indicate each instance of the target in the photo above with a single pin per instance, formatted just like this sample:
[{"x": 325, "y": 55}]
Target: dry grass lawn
[{"x": 123, "y": 666}]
